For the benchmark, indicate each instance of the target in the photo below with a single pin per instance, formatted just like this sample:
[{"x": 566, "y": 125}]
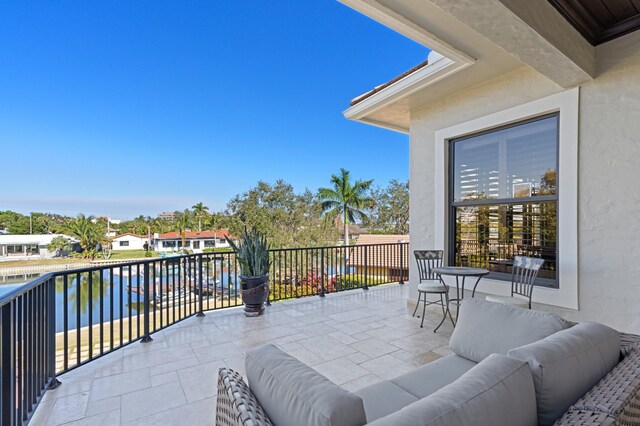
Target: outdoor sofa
[{"x": 510, "y": 366}]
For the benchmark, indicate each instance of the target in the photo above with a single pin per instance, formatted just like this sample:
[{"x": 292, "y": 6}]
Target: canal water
[{"x": 114, "y": 292}]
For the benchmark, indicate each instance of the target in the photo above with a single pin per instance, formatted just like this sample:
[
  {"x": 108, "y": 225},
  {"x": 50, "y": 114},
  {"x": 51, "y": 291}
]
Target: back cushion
[
  {"x": 567, "y": 364},
  {"x": 484, "y": 328},
  {"x": 497, "y": 392},
  {"x": 293, "y": 394}
]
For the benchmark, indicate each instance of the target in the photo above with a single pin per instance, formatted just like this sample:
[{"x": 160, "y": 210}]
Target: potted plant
[{"x": 252, "y": 253}]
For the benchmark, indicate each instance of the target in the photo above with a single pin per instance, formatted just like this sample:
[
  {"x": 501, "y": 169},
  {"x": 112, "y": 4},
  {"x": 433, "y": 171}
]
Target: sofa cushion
[
  {"x": 485, "y": 327},
  {"x": 291, "y": 393},
  {"x": 383, "y": 398},
  {"x": 498, "y": 391},
  {"x": 429, "y": 378},
  {"x": 617, "y": 395},
  {"x": 567, "y": 364}
]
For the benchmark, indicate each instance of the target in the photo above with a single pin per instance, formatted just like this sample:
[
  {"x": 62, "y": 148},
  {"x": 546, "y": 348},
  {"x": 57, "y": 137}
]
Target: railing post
[
  {"x": 268, "y": 284},
  {"x": 402, "y": 265},
  {"x": 200, "y": 293},
  {"x": 322, "y": 274},
  {"x": 147, "y": 295},
  {"x": 51, "y": 322},
  {"x": 7, "y": 365},
  {"x": 366, "y": 269}
]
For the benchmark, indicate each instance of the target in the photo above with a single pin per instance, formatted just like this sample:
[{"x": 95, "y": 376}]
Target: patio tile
[
  {"x": 110, "y": 418},
  {"x": 200, "y": 381},
  {"x": 340, "y": 370},
  {"x": 160, "y": 379},
  {"x": 68, "y": 408},
  {"x": 199, "y": 413},
  {"x": 103, "y": 406},
  {"x": 361, "y": 382},
  {"x": 120, "y": 384},
  {"x": 374, "y": 347},
  {"x": 149, "y": 401}
]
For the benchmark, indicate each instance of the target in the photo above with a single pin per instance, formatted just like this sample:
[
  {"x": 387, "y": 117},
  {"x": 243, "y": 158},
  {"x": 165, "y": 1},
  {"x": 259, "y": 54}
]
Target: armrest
[{"x": 236, "y": 405}]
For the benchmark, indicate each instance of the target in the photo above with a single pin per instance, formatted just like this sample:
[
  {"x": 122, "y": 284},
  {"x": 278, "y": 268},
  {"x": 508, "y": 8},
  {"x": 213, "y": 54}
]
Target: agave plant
[{"x": 252, "y": 253}]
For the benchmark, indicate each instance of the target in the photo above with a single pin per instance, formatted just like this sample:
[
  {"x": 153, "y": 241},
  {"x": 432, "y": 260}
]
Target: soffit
[{"x": 599, "y": 21}]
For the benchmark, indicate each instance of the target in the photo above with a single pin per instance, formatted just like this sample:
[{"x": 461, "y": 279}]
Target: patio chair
[
  {"x": 524, "y": 273},
  {"x": 428, "y": 260}
]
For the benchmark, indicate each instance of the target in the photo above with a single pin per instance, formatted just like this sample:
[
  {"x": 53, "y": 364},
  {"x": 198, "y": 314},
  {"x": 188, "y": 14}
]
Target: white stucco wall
[
  {"x": 135, "y": 243},
  {"x": 609, "y": 166}
]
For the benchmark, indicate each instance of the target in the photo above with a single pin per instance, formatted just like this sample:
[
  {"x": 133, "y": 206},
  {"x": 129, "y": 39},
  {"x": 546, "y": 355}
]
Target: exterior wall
[
  {"x": 135, "y": 243},
  {"x": 218, "y": 244},
  {"x": 609, "y": 159}
]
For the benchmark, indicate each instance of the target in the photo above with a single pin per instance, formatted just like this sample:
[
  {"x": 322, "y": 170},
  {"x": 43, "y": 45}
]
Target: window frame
[{"x": 453, "y": 205}]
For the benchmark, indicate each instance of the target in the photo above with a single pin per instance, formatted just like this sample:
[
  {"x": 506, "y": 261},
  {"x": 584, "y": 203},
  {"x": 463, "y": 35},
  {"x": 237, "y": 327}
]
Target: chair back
[
  {"x": 428, "y": 260},
  {"x": 525, "y": 271}
]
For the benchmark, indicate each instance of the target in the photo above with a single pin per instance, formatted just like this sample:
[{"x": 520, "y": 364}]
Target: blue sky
[{"x": 136, "y": 107}]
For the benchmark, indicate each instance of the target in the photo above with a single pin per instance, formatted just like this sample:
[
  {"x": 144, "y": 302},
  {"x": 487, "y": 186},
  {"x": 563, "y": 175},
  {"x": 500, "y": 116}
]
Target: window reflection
[{"x": 515, "y": 162}]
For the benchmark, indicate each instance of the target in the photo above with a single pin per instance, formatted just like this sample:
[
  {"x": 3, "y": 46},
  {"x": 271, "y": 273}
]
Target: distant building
[
  {"x": 388, "y": 261},
  {"x": 129, "y": 241},
  {"x": 196, "y": 241},
  {"x": 354, "y": 232},
  {"x": 19, "y": 247},
  {"x": 167, "y": 215}
]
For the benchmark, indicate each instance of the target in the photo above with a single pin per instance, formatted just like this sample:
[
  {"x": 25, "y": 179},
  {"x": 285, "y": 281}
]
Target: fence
[{"x": 66, "y": 319}]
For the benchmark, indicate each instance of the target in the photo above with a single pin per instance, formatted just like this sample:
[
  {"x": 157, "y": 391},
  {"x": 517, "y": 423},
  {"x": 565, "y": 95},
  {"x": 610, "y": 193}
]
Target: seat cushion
[
  {"x": 567, "y": 364},
  {"x": 485, "y": 327},
  {"x": 431, "y": 377},
  {"x": 497, "y": 392},
  {"x": 383, "y": 398},
  {"x": 292, "y": 394},
  {"x": 515, "y": 301},
  {"x": 435, "y": 287}
]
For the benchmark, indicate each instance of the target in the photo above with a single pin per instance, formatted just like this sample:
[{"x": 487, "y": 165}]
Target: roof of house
[
  {"x": 388, "y": 83},
  {"x": 223, "y": 233},
  {"x": 130, "y": 234},
  {"x": 381, "y": 239},
  {"x": 41, "y": 239},
  {"x": 375, "y": 254}
]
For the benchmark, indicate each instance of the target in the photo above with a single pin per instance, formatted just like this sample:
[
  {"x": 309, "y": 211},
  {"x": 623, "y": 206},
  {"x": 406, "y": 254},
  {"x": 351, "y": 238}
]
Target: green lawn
[{"x": 127, "y": 254}]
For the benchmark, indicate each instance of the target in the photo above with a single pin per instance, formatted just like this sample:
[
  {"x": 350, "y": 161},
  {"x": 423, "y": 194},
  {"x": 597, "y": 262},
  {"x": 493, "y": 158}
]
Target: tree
[
  {"x": 184, "y": 223},
  {"x": 345, "y": 201},
  {"x": 58, "y": 245},
  {"x": 288, "y": 219},
  {"x": 390, "y": 211},
  {"x": 89, "y": 232},
  {"x": 200, "y": 211}
]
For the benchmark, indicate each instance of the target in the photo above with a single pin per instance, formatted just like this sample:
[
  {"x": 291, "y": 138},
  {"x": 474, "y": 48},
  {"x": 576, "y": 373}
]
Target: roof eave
[{"x": 439, "y": 67}]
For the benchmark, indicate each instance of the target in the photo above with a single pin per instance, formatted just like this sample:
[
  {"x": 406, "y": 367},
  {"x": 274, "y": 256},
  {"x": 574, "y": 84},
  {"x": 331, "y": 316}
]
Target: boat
[{"x": 171, "y": 298}]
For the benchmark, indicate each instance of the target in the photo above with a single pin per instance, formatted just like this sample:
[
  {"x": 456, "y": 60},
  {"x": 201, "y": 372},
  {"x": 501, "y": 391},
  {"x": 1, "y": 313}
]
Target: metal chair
[
  {"x": 428, "y": 260},
  {"x": 525, "y": 271}
]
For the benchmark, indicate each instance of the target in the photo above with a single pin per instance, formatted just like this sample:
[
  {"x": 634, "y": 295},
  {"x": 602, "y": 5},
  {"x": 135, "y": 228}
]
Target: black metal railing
[{"x": 66, "y": 319}]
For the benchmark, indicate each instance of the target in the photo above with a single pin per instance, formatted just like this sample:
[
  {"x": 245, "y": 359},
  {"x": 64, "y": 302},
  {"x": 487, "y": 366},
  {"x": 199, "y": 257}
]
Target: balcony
[{"x": 142, "y": 341}]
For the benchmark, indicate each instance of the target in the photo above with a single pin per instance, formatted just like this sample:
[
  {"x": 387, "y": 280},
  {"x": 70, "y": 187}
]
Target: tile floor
[{"x": 354, "y": 338}]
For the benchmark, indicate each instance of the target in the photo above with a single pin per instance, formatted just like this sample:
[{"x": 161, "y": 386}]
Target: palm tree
[
  {"x": 184, "y": 222},
  {"x": 200, "y": 210},
  {"x": 343, "y": 203},
  {"x": 87, "y": 230}
]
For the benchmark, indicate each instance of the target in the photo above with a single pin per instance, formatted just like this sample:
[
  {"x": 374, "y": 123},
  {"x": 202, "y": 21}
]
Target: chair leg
[
  {"x": 446, "y": 296},
  {"x": 424, "y": 308},
  {"x": 444, "y": 312},
  {"x": 417, "y": 304}
]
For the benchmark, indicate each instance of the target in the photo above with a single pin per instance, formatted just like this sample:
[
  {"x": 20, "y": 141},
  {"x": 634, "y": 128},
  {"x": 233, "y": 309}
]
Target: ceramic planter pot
[{"x": 255, "y": 291}]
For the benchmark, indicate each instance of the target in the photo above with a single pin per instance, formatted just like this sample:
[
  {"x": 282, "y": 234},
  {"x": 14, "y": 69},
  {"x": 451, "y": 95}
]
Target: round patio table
[{"x": 461, "y": 272}]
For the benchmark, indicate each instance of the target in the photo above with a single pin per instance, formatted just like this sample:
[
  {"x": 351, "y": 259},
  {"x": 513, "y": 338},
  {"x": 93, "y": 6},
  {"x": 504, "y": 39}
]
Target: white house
[
  {"x": 524, "y": 139},
  {"x": 19, "y": 247},
  {"x": 129, "y": 241},
  {"x": 196, "y": 241}
]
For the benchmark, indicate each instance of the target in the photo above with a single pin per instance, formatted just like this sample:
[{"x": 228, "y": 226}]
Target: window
[
  {"x": 504, "y": 198},
  {"x": 209, "y": 243},
  {"x": 124, "y": 243},
  {"x": 168, "y": 244},
  {"x": 196, "y": 244}
]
